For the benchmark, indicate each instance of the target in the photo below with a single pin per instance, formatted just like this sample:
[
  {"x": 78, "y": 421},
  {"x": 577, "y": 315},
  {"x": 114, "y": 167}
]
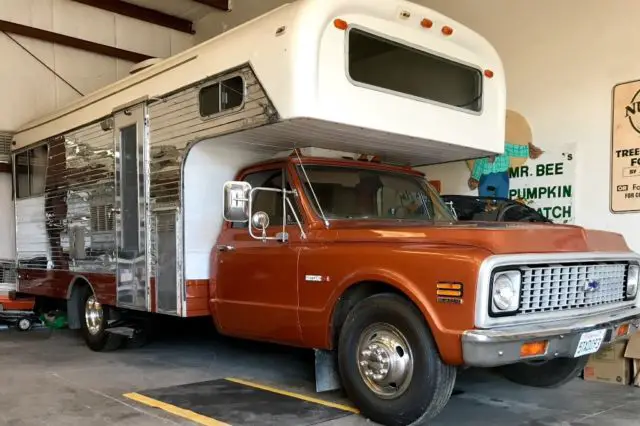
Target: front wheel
[
  {"x": 389, "y": 364},
  {"x": 545, "y": 374}
]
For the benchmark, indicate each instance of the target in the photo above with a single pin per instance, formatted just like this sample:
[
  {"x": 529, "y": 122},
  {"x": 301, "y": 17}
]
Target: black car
[{"x": 492, "y": 209}]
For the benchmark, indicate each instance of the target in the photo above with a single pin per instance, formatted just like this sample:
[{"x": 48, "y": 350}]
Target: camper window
[
  {"x": 30, "y": 169},
  {"x": 221, "y": 96},
  {"x": 380, "y": 63}
]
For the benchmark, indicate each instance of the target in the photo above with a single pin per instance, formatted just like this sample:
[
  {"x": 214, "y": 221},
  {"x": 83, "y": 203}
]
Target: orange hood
[{"x": 496, "y": 237}]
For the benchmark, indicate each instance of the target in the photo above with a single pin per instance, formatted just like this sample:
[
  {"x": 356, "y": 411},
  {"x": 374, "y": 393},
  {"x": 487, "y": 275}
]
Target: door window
[{"x": 271, "y": 202}]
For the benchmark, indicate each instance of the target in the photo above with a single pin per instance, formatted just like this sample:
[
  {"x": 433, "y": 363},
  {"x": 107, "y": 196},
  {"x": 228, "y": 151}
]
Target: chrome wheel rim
[
  {"x": 385, "y": 360},
  {"x": 93, "y": 315}
]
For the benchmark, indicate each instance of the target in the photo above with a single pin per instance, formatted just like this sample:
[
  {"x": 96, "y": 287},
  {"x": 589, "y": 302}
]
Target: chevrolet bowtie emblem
[{"x": 591, "y": 286}]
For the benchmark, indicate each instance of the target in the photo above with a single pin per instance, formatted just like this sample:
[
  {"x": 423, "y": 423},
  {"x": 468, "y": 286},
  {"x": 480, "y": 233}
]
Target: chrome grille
[{"x": 564, "y": 287}]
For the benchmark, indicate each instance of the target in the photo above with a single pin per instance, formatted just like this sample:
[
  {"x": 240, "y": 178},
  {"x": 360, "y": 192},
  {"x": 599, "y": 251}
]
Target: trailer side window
[
  {"x": 30, "y": 171},
  {"x": 381, "y": 63},
  {"x": 222, "y": 96}
]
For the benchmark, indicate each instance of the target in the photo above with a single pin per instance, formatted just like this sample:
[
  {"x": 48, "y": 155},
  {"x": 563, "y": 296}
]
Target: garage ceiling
[{"x": 186, "y": 9}]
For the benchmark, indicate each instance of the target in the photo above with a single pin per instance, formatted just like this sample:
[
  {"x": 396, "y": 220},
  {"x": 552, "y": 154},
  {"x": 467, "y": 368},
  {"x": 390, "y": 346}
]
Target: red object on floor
[{"x": 8, "y": 304}]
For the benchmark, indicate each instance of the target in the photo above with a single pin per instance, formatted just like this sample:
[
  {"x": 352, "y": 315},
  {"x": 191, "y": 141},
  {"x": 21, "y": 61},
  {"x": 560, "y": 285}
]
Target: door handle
[{"x": 223, "y": 247}]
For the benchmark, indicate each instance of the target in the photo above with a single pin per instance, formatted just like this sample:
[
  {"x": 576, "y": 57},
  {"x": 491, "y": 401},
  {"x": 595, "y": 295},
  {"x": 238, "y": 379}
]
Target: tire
[
  {"x": 411, "y": 398},
  {"x": 24, "y": 324},
  {"x": 97, "y": 339},
  {"x": 549, "y": 374}
]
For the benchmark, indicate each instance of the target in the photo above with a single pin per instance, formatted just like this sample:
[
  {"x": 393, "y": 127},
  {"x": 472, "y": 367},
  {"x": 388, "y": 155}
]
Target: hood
[{"x": 496, "y": 237}]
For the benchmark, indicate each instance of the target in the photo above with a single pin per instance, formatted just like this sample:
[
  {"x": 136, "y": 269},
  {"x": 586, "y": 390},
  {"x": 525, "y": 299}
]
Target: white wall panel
[{"x": 34, "y": 90}]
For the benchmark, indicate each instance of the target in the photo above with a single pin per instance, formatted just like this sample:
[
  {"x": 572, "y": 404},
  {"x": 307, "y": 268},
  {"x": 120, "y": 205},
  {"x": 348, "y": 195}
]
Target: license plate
[{"x": 590, "y": 342}]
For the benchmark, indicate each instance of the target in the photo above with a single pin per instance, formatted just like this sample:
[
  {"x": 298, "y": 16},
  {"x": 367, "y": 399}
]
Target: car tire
[
  {"x": 549, "y": 374},
  {"x": 384, "y": 328},
  {"x": 93, "y": 329}
]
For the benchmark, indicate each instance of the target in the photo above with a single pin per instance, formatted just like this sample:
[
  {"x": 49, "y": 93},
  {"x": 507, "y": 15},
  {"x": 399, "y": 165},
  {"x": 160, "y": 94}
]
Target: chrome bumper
[{"x": 501, "y": 346}]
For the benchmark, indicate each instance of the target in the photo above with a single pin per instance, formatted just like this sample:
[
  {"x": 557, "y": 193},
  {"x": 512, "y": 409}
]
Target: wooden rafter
[
  {"x": 142, "y": 14},
  {"x": 77, "y": 43},
  {"x": 218, "y": 4}
]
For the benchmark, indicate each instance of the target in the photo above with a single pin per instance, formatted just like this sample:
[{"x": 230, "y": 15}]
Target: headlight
[
  {"x": 505, "y": 295},
  {"x": 632, "y": 281}
]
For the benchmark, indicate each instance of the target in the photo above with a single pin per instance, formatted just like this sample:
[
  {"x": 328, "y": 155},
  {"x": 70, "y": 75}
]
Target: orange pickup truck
[{"x": 366, "y": 259}]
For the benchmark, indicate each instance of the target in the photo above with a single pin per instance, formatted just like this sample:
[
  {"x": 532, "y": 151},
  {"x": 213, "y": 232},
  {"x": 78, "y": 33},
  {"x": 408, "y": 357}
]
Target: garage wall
[{"x": 34, "y": 90}]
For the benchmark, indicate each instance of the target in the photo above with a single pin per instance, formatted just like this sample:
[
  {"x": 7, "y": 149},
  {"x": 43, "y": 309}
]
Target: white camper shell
[{"x": 127, "y": 181}]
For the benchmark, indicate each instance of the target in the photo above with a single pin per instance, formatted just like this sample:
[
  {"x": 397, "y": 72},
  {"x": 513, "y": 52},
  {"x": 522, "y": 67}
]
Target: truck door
[
  {"x": 130, "y": 131},
  {"x": 256, "y": 289}
]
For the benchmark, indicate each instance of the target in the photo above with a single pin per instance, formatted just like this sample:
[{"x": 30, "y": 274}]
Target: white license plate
[{"x": 590, "y": 342}]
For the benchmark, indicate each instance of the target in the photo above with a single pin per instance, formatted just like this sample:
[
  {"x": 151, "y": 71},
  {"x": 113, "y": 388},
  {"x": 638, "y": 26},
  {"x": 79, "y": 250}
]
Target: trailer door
[{"x": 130, "y": 138}]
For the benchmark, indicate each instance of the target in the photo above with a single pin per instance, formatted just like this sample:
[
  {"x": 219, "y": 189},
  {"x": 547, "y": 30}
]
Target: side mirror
[{"x": 236, "y": 201}]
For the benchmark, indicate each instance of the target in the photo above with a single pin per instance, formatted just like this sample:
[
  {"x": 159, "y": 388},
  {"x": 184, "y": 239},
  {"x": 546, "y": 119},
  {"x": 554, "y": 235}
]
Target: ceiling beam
[
  {"x": 142, "y": 14},
  {"x": 76, "y": 43},
  {"x": 218, "y": 4}
]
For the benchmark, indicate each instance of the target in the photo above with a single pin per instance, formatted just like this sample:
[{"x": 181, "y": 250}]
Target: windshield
[{"x": 353, "y": 193}]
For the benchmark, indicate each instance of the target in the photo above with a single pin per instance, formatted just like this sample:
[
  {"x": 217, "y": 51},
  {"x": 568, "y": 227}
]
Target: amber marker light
[
  {"x": 426, "y": 23},
  {"x": 446, "y": 30},
  {"x": 341, "y": 24},
  {"x": 623, "y": 330},
  {"x": 530, "y": 349}
]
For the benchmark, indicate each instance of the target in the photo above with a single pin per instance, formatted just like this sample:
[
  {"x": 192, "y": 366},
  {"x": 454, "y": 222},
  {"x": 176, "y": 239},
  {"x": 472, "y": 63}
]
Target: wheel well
[
  {"x": 351, "y": 297},
  {"x": 74, "y": 300}
]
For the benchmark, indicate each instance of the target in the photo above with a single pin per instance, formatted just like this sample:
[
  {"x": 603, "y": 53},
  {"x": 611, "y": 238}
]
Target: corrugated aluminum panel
[
  {"x": 5, "y": 147},
  {"x": 8, "y": 276}
]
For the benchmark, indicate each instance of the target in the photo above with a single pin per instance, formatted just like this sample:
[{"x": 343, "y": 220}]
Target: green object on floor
[{"x": 55, "y": 320}]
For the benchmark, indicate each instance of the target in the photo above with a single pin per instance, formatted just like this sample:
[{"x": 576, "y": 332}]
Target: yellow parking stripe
[
  {"x": 181, "y": 412},
  {"x": 295, "y": 395}
]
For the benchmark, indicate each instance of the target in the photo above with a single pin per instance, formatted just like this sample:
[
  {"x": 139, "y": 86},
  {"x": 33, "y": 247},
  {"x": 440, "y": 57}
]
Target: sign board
[
  {"x": 547, "y": 184},
  {"x": 625, "y": 148}
]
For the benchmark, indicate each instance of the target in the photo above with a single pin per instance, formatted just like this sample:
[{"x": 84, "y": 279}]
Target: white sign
[{"x": 547, "y": 184}]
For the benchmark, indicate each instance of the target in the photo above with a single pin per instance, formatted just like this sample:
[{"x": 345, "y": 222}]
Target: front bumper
[{"x": 501, "y": 346}]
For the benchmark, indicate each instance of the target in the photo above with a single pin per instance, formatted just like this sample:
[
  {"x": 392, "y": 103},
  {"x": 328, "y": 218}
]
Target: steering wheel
[{"x": 503, "y": 211}]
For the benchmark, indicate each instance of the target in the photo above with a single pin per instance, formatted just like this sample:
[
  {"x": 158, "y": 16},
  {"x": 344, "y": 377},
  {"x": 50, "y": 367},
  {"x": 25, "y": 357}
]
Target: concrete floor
[{"x": 53, "y": 379}]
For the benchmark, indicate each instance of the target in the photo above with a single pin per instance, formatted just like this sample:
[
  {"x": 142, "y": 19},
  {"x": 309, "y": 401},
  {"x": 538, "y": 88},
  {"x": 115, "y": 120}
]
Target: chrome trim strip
[{"x": 482, "y": 318}]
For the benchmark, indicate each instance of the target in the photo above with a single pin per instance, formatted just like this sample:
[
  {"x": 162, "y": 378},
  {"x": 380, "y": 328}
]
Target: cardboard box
[
  {"x": 633, "y": 353},
  {"x": 609, "y": 365}
]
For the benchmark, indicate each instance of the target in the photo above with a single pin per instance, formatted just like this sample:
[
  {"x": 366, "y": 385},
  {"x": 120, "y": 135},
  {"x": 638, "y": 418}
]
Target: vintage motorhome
[{"x": 229, "y": 181}]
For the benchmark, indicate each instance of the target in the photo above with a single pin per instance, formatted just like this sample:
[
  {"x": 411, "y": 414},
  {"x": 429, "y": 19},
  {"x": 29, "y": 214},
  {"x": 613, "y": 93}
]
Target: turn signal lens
[
  {"x": 341, "y": 24},
  {"x": 446, "y": 30},
  {"x": 426, "y": 23},
  {"x": 623, "y": 330},
  {"x": 533, "y": 349}
]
